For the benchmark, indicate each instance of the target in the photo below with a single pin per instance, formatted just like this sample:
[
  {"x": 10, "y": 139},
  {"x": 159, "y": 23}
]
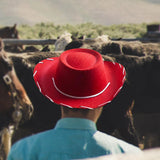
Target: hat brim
[{"x": 45, "y": 71}]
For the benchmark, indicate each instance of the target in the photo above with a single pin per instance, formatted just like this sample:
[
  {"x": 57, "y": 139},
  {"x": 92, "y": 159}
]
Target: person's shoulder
[
  {"x": 32, "y": 139},
  {"x": 29, "y": 145},
  {"x": 127, "y": 147},
  {"x": 115, "y": 142}
]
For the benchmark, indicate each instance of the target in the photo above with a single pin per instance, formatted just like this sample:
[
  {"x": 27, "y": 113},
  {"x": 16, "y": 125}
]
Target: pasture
[{"x": 90, "y": 30}]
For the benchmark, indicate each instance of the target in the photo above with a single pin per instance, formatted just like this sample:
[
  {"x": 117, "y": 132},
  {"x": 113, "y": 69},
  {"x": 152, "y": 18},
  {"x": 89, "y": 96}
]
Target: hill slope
[{"x": 104, "y": 12}]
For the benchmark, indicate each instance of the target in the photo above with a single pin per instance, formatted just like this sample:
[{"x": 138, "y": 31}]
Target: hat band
[{"x": 79, "y": 97}]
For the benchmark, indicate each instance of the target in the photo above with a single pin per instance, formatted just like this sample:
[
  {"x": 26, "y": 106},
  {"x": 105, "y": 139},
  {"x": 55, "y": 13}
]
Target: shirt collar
[{"x": 76, "y": 123}]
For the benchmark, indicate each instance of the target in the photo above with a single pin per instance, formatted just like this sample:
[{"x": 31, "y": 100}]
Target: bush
[{"x": 90, "y": 30}]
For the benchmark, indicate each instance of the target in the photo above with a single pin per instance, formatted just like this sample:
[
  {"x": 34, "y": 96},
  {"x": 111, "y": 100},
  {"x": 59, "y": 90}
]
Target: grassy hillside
[
  {"x": 90, "y": 30},
  {"x": 105, "y": 12}
]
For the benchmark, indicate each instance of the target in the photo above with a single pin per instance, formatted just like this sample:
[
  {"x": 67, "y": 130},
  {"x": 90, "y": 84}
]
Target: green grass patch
[{"x": 90, "y": 30}]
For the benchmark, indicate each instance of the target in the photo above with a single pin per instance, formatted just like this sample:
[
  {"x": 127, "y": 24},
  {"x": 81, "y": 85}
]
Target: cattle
[
  {"x": 62, "y": 41},
  {"x": 15, "y": 105},
  {"x": 11, "y": 33},
  {"x": 142, "y": 77},
  {"x": 95, "y": 44},
  {"x": 139, "y": 94},
  {"x": 35, "y": 49}
]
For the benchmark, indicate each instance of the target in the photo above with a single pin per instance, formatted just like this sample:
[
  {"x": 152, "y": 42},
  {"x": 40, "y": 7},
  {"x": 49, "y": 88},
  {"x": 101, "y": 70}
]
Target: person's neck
[
  {"x": 92, "y": 115},
  {"x": 82, "y": 117}
]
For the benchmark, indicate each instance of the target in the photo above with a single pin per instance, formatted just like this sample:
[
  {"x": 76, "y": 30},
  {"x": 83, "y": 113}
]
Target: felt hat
[{"x": 79, "y": 78}]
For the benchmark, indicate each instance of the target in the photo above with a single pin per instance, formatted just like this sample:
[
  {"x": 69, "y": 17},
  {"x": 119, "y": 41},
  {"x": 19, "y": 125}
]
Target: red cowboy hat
[{"x": 79, "y": 78}]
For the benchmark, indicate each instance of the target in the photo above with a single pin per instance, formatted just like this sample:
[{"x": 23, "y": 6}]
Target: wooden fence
[
  {"x": 29, "y": 42},
  {"x": 52, "y": 41}
]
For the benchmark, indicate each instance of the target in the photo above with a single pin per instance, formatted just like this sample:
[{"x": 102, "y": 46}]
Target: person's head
[{"x": 79, "y": 79}]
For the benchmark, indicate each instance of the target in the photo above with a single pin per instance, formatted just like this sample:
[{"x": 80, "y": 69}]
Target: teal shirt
[{"x": 72, "y": 138}]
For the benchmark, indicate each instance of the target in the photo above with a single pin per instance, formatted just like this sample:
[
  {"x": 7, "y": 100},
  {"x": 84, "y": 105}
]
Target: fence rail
[
  {"x": 52, "y": 41},
  {"x": 28, "y": 41}
]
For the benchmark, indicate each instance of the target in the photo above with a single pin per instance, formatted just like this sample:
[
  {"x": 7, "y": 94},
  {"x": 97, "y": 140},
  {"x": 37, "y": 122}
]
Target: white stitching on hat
[
  {"x": 49, "y": 98},
  {"x": 114, "y": 63},
  {"x": 50, "y": 59},
  {"x": 86, "y": 107},
  {"x": 117, "y": 91},
  {"x": 76, "y": 97},
  {"x": 123, "y": 79},
  {"x": 104, "y": 103},
  {"x": 35, "y": 73},
  {"x": 120, "y": 65},
  {"x": 66, "y": 105},
  {"x": 41, "y": 62},
  {"x": 123, "y": 70},
  {"x": 39, "y": 86}
]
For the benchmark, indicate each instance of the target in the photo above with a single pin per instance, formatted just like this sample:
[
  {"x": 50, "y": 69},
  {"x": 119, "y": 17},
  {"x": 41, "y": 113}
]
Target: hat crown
[
  {"x": 80, "y": 61},
  {"x": 80, "y": 73}
]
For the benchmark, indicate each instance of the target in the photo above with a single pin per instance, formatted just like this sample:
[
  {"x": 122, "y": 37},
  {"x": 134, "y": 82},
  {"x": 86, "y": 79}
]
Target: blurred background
[{"x": 104, "y": 12}]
